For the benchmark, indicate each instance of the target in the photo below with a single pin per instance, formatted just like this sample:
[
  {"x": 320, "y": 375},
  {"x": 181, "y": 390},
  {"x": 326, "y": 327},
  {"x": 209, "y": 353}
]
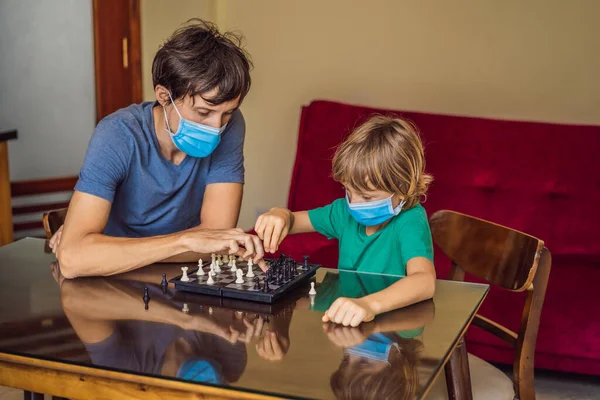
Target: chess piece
[
  {"x": 256, "y": 283},
  {"x": 217, "y": 267},
  {"x": 233, "y": 266},
  {"x": 220, "y": 260},
  {"x": 146, "y": 298},
  {"x": 250, "y": 273},
  {"x": 305, "y": 266},
  {"x": 230, "y": 261},
  {"x": 213, "y": 258},
  {"x": 200, "y": 271},
  {"x": 210, "y": 280},
  {"x": 312, "y": 291},
  {"x": 184, "y": 277},
  {"x": 164, "y": 282},
  {"x": 185, "y": 308},
  {"x": 265, "y": 285},
  {"x": 240, "y": 276}
]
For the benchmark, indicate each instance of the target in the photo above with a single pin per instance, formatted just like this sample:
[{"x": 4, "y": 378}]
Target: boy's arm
[
  {"x": 418, "y": 285},
  {"x": 273, "y": 226}
]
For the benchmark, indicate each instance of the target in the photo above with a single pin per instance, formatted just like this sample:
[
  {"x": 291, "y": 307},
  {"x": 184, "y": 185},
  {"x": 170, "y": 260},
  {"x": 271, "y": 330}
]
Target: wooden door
[{"x": 117, "y": 50}]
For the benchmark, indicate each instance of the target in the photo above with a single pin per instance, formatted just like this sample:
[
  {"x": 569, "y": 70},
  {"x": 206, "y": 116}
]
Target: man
[{"x": 162, "y": 181}]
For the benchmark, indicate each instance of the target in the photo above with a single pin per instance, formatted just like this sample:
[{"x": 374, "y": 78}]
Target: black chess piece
[
  {"x": 266, "y": 285},
  {"x": 164, "y": 283},
  {"x": 256, "y": 283},
  {"x": 146, "y": 298},
  {"x": 305, "y": 266},
  {"x": 279, "y": 278}
]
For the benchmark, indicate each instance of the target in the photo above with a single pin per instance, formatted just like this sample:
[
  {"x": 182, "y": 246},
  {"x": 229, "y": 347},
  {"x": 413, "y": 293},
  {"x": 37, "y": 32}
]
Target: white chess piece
[
  {"x": 217, "y": 268},
  {"x": 184, "y": 277},
  {"x": 229, "y": 261},
  {"x": 240, "y": 276},
  {"x": 233, "y": 267},
  {"x": 312, "y": 291},
  {"x": 200, "y": 271},
  {"x": 210, "y": 280},
  {"x": 250, "y": 273},
  {"x": 220, "y": 260},
  {"x": 213, "y": 258},
  {"x": 185, "y": 308}
]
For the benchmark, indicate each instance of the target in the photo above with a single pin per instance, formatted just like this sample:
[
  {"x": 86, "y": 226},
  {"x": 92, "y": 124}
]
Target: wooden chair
[
  {"x": 53, "y": 220},
  {"x": 34, "y": 198},
  {"x": 511, "y": 260}
]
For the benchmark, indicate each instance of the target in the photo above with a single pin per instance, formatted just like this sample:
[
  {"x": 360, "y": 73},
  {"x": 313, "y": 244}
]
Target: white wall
[
  {"x": 46, "y": 85},
  {"x": 159, "y": 19},
  {"x": 530, "y": 60}
]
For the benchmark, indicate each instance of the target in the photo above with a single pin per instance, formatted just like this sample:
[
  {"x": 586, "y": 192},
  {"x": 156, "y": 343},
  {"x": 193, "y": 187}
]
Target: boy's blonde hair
[
  {"x": 384, "y": 153},
  {"x": 398, "y": 380}
]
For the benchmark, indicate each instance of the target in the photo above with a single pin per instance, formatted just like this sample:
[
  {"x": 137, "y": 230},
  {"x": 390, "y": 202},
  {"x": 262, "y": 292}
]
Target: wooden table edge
[
  {"x": 15, "y": 371},
  {"x": 455, "y": 344}
]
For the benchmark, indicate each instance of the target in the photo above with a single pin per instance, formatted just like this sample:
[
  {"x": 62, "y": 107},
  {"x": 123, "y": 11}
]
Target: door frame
[{"x": 134, "y": 53}]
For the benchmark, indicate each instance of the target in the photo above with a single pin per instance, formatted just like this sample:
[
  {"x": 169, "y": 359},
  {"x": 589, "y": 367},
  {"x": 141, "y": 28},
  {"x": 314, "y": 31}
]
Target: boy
[{"x": 380, "y": 225}]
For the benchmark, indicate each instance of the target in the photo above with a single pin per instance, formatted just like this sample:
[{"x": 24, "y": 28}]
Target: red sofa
[{"x": 540, "y": 178}]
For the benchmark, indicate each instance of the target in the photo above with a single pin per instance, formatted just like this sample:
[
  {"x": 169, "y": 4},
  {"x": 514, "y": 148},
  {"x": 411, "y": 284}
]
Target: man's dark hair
[{"x": 197, "y": 58}]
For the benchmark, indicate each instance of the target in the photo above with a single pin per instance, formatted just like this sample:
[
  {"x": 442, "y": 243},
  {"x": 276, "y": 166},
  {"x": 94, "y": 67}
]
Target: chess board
[{"x": 224, "y": 282}]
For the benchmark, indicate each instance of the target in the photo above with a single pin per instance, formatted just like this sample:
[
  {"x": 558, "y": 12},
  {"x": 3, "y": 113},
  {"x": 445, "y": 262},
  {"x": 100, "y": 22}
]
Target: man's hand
[
  {"x": 55, "y": 239},
  {"x": 272, "y": 347},
  {"x": 229, "y": 241},
  {"x": 349, "y": 312}
]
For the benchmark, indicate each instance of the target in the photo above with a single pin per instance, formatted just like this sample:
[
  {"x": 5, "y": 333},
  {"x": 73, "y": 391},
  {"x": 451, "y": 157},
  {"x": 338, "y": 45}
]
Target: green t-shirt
[{"x": 387, "y": 251}]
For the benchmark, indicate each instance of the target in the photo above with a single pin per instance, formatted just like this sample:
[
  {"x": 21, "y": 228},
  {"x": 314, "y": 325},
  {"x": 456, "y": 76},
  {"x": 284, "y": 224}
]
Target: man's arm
[
  {"x": 85, "y": 251},
  {"x": 220, "y": 210}
]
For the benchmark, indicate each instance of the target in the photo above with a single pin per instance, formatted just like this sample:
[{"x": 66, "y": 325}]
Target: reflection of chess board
[{"x": 224, "y": 282}]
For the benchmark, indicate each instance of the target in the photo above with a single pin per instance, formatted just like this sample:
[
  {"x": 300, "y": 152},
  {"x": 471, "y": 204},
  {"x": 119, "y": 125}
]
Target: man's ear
[{"x": 162, "y": 95}]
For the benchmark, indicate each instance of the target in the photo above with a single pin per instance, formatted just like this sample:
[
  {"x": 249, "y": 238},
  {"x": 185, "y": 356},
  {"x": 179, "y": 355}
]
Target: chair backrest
[
  {"x": 35, "y": 198},
  {"x": 53, "y": 220},
  {"x": 503, "y": 257}
]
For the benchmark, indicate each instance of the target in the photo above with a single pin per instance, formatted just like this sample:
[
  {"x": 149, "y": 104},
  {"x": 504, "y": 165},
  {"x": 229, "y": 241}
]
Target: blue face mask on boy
[
  {"x": 376, "y": 212},
  {"x": 377, "y": 347},
  {"x": 194, "y": 139}
]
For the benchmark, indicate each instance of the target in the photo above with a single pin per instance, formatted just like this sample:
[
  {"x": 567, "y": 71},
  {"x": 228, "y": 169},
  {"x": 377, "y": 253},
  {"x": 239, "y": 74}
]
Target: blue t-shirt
[{"x": 150, "y": 195}]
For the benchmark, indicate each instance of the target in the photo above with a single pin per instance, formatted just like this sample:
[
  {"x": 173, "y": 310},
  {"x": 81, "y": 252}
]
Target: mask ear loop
[
  {"x": 397, "y": 346},
  {"x": 165, "y": 112}
]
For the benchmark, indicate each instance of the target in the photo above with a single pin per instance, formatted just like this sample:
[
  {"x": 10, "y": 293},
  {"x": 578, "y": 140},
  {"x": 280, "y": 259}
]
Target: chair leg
[
  {"x": 32, "y": 396},
  {"x": 458, "y": 376}
]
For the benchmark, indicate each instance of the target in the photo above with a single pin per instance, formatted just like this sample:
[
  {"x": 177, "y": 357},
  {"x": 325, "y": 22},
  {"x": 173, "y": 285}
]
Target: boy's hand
[
  {"x": 345, "y": 336},
  {"x": 349, "y": 312},
  {"x": 273, "y": 226}
]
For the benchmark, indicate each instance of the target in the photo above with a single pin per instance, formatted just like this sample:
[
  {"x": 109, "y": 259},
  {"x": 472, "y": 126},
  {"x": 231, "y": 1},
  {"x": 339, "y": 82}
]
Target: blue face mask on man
[
  {"x": 376, "y": 212},
  {"x": 194, "y": 139},
  {"x": 200, "y": 370}
]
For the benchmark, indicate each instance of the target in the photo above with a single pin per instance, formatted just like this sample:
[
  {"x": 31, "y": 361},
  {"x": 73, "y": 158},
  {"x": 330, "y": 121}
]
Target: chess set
[{"x": 229, "y": 277}]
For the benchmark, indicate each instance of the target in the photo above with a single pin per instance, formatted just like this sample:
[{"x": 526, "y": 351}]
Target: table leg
[
  {"x": 6, "y": 226},
  {"x": 32, "y": 396},
  {"x": 458, "y": 377}
]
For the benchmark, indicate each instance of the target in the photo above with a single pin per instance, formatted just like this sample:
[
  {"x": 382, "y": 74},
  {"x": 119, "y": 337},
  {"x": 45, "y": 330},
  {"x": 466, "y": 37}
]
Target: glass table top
[{"x": 280, "y": 349}]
